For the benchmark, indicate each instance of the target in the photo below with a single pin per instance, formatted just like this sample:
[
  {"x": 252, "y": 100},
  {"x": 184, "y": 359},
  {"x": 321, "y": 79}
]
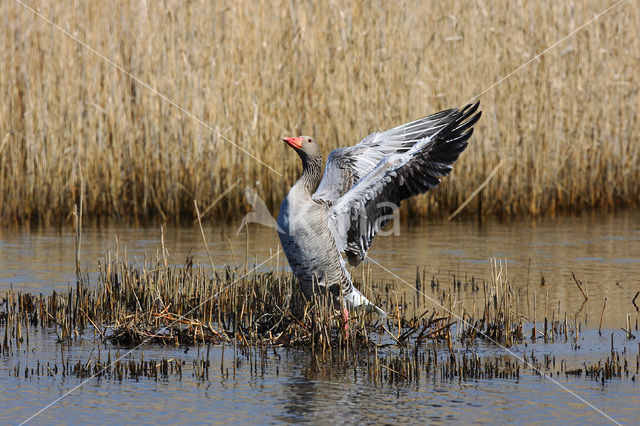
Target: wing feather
[
  {"x": 367, "y": 205},
  {"x": 346, "y": 166}
]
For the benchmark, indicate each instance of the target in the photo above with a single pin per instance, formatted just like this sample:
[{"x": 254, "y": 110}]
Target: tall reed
[{"x": 566, "y": 126}]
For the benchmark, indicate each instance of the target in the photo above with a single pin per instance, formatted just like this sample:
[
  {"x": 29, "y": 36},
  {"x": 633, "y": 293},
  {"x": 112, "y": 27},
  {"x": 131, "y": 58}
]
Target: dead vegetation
[
  {"x": 563, "y": 130},
  {"x": 255, "y": 312}
]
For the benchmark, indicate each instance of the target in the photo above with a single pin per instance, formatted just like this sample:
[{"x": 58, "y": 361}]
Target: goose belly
[{"x": 309, "y": 246}]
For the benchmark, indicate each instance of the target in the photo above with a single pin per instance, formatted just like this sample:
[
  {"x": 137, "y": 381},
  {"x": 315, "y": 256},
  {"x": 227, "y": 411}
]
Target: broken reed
[
  {"x": 393, "y": 368},
  {"x": 132, "y": 303},
  {"x": 256, "y": 315},
  {"x": 111, "y": 367},
  {"x": 566, "y": 126},
  {"x": 129, "y": 304}
]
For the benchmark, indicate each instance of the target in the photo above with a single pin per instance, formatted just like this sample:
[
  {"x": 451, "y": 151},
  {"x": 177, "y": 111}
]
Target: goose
[{"x": 326, "y": 215}]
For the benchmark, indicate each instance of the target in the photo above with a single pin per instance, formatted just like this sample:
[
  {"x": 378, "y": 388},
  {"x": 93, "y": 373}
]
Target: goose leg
[{"x": 345, "y": 318}]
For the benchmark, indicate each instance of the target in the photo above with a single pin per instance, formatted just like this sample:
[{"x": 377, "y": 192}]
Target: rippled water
[
  {"x": 603, "y": 250},
  {"x": 290, "y": 390}
]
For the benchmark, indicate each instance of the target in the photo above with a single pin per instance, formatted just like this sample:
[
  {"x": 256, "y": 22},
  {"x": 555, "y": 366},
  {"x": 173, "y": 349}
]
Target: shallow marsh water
[
  {"x": 291, "y": 390},
  {"x": 603, "y": 250}
]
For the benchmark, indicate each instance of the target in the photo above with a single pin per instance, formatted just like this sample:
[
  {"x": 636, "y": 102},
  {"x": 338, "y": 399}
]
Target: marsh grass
[
  {"x": 252, "y": 318},
  {"x": 566, "y": 126}
]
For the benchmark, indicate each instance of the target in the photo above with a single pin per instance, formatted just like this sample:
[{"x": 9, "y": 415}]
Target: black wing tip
[
  {"x": 468, "y": 111},
  {"x": 463, "y": 120}
]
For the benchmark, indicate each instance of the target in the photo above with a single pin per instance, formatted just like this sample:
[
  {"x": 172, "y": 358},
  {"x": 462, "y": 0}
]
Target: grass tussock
[
  {"x": 255, "y": 314},
  {"x": 566, "y": 126}
]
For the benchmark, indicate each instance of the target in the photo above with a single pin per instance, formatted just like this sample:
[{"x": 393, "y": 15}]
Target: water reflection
[
  {"x": 294, "y": 389},
  {"x": 301, "y": 398}
]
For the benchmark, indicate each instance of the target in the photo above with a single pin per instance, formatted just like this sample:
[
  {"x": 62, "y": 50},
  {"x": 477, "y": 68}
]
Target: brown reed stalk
[
  {"x": 565, "y": 126},
  {"x": 204, "y": 239},
  {"x": 604, "y": 305}
]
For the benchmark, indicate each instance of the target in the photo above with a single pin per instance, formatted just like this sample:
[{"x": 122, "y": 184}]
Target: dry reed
[
  {"x": 256, "y": 315},
  {"x": 566, "y": 126}
]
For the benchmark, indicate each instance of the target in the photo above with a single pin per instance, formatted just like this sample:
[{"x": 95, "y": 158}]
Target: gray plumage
[{"x": 342, "y": 210}]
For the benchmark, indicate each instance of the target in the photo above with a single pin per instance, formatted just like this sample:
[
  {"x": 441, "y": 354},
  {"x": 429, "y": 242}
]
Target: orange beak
[{"x": 295, "y": 143}]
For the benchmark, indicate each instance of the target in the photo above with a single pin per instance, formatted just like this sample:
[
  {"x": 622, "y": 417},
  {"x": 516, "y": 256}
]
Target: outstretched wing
[
  {"x": 346, "y": 166},
  {"x": 356, "y": 216}
]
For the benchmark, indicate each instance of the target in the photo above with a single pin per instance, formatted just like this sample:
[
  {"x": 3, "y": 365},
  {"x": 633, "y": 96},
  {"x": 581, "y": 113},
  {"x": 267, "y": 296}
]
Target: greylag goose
[{"x": 340, "y": 211}]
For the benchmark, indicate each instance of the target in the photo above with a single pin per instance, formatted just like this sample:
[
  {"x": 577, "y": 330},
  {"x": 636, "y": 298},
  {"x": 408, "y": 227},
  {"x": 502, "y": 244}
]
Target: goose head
[
  {"x": 306, "y": 147},
  {"x": 309, "y": 152}
]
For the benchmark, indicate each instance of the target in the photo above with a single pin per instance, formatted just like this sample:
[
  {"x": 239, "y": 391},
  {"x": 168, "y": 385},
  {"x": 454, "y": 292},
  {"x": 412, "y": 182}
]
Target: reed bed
[
  {"x": 153, "y": 303},
  {"x": 562, "y": 132},
  {"x": 252, "y": 316}
]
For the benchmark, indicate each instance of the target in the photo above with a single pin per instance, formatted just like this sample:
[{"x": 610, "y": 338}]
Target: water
[
  {"x": 296, "y": 391},
  {"x": 603, "y": 250}
]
